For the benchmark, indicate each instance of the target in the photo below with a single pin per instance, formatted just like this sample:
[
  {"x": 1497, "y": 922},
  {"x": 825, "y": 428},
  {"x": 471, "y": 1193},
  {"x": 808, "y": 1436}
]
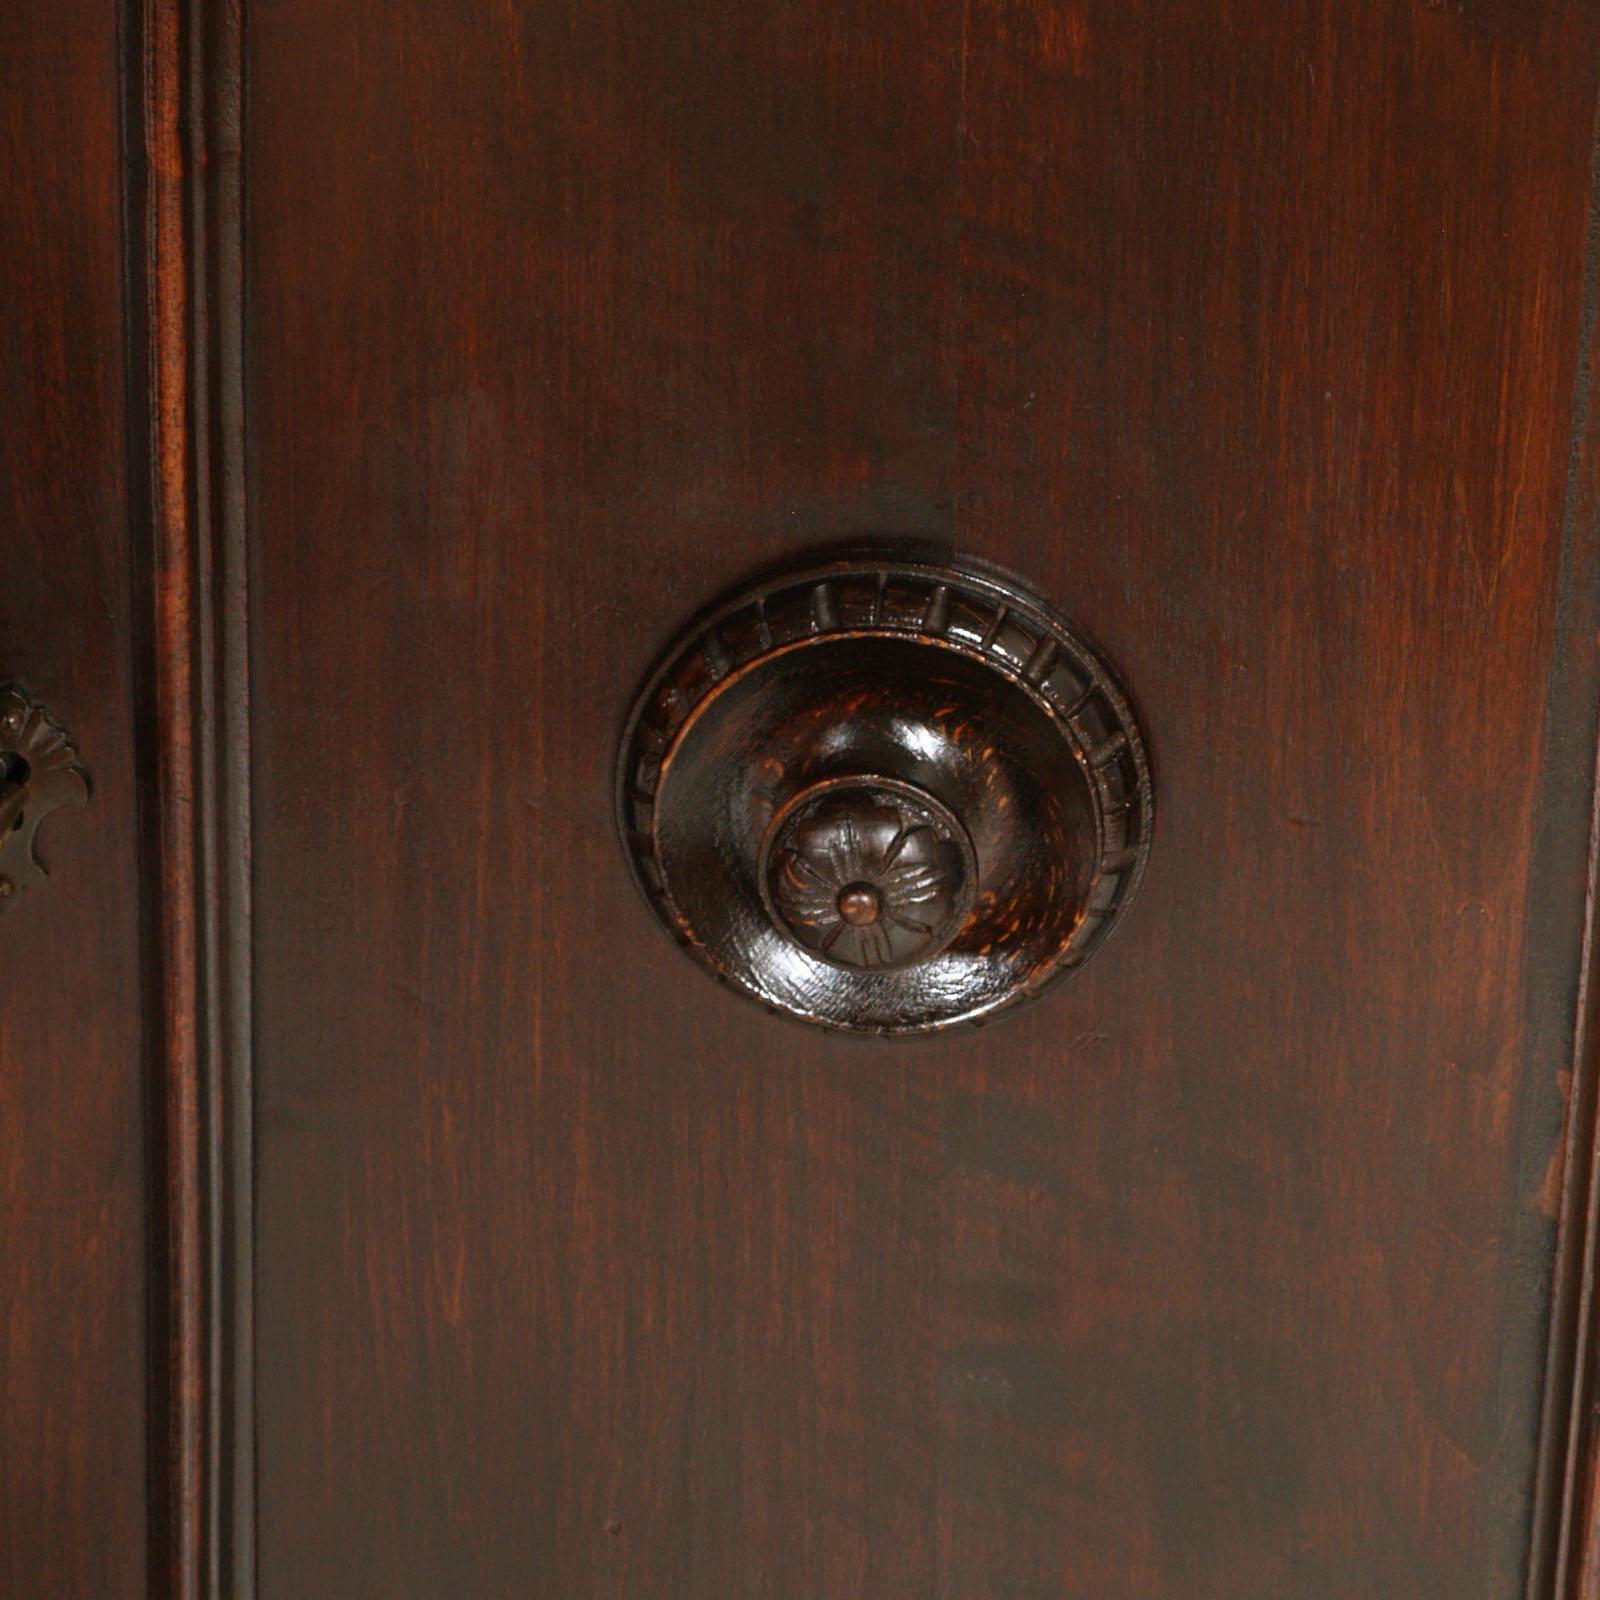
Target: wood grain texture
[
  {"x": 72, "y": 1140},
  {"x": 1249, "y": 334},
  {"x": 1565, "y": 1557},
  {"x": 182, "y": 103},
  {"x": 166, "y": 610}
]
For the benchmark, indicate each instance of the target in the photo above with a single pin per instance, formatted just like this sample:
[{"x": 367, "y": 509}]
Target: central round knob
[
  {"x": 868, "y": 872},
  {"x": 860, "y": 904}
]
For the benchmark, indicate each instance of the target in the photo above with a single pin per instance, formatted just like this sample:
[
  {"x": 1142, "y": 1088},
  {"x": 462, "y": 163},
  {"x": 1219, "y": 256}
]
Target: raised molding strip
[{"x": 183, "y": 220}]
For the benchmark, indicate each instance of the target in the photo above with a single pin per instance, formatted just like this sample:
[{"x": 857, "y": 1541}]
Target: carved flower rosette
[{"x": 868, "y": 874}]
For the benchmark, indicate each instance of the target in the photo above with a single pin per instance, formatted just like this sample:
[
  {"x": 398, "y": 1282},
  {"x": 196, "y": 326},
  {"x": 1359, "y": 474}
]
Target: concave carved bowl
[{"x": 885, "y": 793}]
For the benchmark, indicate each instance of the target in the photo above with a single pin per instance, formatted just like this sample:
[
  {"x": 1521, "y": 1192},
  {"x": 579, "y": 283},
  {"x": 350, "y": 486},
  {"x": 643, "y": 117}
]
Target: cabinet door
[{"x": 474, "y": 347}]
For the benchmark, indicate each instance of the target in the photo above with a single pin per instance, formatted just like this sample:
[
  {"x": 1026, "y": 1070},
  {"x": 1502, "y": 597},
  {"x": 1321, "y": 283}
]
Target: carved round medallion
[
  {"x": 869, "y": 873},
  {"x": 885, "y": 793}
]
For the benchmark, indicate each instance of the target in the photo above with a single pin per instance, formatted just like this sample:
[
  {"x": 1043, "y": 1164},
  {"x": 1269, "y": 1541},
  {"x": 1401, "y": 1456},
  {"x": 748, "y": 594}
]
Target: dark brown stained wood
[
  {"x": 182, "y": 97},
  {"x": 167, "y": 598},
  {"x": 1315, "y": 439},
  {"x": 884, "y": 793},
  {"x": 1249, "y": 334},
  {"x": 72, "y": 1137},
  {"x": 1566, "y": 1546}
]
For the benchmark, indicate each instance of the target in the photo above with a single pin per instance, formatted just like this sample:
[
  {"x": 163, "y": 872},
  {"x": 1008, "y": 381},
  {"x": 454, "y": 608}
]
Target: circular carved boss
[{"x": 885, "y": 793}]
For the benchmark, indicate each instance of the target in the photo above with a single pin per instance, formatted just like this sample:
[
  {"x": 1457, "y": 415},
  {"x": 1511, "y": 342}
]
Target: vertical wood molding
[
  {"x": 182, "y": 119},
  {"x": 1565, "y": 1560},
  {"x": 1564, "y": 1554}
]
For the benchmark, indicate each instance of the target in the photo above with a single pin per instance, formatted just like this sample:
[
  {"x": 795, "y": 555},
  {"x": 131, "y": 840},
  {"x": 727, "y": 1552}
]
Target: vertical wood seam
[{"x": 1575, "y": 1555}]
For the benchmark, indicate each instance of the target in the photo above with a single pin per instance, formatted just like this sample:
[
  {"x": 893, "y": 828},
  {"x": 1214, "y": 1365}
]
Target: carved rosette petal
[{"x": 868, "y": 875}]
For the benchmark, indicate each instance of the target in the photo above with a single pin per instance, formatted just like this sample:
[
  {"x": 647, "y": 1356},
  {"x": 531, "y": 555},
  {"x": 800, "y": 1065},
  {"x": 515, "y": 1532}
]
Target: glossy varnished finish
[
  {"x": 1250, "y": 336},
  {"x": 73, "y": 1234},
  {"x": 885, "y": 793},
  {"x": 1565, "y": 1544}
]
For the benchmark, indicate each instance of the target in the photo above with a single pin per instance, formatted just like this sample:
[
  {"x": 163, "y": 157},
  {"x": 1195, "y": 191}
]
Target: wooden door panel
[
  {"x": 1248, "y": 336},
  {"x": 74, "y": 1224},
  {"x": 389, "y": 1208}
]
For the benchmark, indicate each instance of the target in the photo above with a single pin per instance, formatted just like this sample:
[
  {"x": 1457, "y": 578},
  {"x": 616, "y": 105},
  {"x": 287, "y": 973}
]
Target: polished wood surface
[
  {"x": 383, "y": 386},
  {"x": 885, "y": 793},
  {"x": 1251, "y": 337},
  {"x": 74, "y": 1223}
]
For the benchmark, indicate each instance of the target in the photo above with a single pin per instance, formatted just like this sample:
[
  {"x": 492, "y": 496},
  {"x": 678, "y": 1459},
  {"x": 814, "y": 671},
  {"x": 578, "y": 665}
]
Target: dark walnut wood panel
[
  {"x": 73, "y": 1234},
  {"x": 1295, "y": 364},
  {"x": 1250, "y": 337},
  {"x": 1565, "y": 1556}
]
